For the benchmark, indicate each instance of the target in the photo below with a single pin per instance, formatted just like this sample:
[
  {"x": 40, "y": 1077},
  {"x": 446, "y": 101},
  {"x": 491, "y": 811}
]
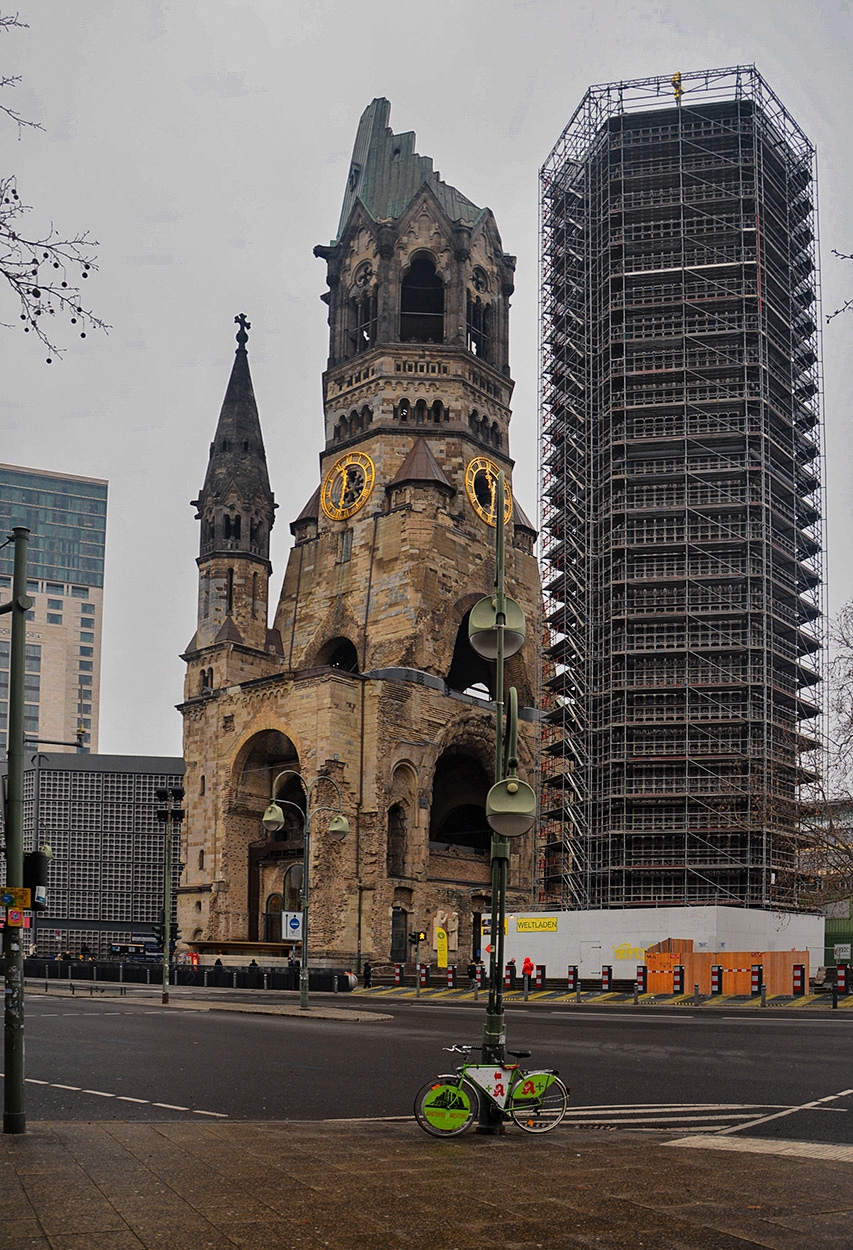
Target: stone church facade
[{"x": 365, "y": 676}]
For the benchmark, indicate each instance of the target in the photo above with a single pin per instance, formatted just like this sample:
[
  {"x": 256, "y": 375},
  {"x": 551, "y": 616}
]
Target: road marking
[
  {"x": 629, "y": 1015},
  {"x": 101, "y": 1093},
  {"x": 705, "y": 1117},
  {"x": 758, "y": 1145},
  {"x": 806, "y": 1106}
]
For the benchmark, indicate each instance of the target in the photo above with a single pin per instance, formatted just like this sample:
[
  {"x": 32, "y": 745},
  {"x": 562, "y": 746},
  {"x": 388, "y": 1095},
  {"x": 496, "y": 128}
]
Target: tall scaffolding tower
[{"x": 681, "y": 493}]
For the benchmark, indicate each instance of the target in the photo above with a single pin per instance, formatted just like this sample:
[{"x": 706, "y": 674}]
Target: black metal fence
[{"x": 129, "y": 972}]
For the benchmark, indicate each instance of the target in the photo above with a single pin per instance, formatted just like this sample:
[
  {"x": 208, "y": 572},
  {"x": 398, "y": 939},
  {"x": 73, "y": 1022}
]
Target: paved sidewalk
[{"x": 382, "y": 1185}]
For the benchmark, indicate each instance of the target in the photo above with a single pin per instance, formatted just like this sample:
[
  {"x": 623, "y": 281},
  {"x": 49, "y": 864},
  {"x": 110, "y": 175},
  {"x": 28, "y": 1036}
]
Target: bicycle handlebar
[{"x": 460, "y": 1048}]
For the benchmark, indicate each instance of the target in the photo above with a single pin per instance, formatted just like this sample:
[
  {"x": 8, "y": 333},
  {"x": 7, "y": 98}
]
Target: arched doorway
[{"x": 268, "y": 759}]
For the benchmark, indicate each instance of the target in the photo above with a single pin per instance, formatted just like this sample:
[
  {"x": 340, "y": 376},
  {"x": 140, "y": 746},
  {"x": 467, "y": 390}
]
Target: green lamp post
[
  {"x": 496, "y": 631},
  {"x": 273, "y": 819}
]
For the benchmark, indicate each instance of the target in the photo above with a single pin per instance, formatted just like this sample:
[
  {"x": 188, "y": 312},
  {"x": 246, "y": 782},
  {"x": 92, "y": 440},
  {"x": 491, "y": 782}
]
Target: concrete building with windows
[
  {"x": 98, "y": 815},
  {"x": 682, "y": 495},
  {"x": 67, "y": 517}
]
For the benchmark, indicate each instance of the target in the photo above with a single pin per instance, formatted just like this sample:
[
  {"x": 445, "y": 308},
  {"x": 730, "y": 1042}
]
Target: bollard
[
  {"x": 642, "y": 981},
  {"x": 835, "y": 998},
  {"x": 636, "y": 994},
  {"x": 756, "y": 980},
  {"x": 696, "y": 995},
  {"x": 716, "y": 979},
  {"x": 678, "y": 979},
  {"x": 540, "y": 977},
  {"x": 799, "y": 980},
  {"x": 423, "y": 975},
  {"x": 451, "y": 978},
  {"x": 606, "y": 976},
  {"x": 572, "y": 978},
  {"x": 763, "y": 995},
  {"x": 841, "y": 979},
  {"x": 526, "y": 980},
  {"x": 399, "y": 973}
]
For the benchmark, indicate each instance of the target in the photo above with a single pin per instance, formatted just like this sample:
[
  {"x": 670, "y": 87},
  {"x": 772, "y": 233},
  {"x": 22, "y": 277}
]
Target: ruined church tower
[{"x": 366, "y": 678}]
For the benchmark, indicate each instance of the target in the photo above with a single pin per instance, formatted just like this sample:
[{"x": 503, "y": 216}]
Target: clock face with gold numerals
[
  {"x": 481, "y": 485},
  {"x": 347, "y": 485}
]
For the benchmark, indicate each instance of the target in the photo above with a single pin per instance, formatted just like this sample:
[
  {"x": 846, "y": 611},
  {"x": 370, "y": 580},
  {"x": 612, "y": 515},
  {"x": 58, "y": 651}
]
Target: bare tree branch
[
  {"x": 848, "y": 303},
  {"x": 44, "y": 270}
]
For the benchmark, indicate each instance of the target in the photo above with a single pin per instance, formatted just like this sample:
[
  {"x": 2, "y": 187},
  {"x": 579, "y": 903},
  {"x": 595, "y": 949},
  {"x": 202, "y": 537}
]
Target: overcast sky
[{"x": 205, "y": 144}]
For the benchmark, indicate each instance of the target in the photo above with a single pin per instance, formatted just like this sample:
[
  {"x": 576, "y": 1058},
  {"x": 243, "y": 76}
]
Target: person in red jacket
[{"x": 527, "y": 968}]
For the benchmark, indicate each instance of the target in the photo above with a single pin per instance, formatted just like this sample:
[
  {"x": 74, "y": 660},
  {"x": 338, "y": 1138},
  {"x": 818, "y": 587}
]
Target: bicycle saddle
[{"x": 520, "y": 1054}]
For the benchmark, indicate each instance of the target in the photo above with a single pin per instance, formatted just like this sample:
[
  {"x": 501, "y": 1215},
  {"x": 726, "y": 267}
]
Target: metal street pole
[
  {"x": 273, "y": 820},
  {"x": 494, "y": 1029},
  {"x": 14, "y": 1114},
  {"x": 306, "y": 878},
  {"x": 169, "y": 817},
  {"x": 496, "y": 630}
]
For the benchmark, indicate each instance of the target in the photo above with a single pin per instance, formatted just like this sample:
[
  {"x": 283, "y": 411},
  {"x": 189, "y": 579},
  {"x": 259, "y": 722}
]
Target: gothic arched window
[
  {"x": 422, "y": 304},
  {"x": 396, "y": 852}
]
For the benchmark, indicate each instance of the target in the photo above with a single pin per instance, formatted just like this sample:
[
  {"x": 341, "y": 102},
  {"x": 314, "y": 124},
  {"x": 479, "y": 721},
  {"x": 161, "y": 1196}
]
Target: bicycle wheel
[
  {"x": 445, "y": 1107},
  {"x": 537, "y": 1102}
]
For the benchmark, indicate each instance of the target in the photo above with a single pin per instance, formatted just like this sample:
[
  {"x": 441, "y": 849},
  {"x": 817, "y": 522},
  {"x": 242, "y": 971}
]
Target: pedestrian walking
[{"x": 366, "y": 973}]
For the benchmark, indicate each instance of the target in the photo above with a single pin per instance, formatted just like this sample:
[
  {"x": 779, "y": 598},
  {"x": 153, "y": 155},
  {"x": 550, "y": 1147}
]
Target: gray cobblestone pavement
[{"x": 378, "y": 1185}]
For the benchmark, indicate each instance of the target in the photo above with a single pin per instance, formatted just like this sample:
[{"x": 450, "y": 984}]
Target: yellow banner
[
  {"x": 536, "y": 924},
  {"x": 441, "y": 946}
]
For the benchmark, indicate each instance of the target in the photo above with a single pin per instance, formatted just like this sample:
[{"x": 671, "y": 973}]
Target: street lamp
[
  {"x": 496, "y": 631},
  {"x": 273, "y": 819},
  {"x": 168, "y": 816}
]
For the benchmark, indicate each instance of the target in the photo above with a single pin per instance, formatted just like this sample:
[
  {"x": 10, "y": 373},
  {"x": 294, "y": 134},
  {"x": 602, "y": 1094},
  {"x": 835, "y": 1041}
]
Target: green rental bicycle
[{"x": 535, "y": 1101}]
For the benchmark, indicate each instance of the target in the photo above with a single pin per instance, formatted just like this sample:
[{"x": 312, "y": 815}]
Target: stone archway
[{"x": 259, "y": 858}]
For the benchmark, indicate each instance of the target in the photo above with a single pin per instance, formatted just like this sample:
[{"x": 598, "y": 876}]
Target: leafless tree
[
  {"x": 825, "y": 817},
  {"x": 45, "y": 270},
  {"x": 848, "y": 303}
]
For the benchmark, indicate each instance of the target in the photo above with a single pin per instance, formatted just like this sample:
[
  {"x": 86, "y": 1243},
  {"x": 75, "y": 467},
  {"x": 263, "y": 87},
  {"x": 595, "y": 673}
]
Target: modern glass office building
[{"x": 67, "y": 517}]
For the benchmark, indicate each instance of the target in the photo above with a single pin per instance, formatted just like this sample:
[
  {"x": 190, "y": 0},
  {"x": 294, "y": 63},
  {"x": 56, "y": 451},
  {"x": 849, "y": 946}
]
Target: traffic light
[
  {"x": 414, "y": 939},
  {"x": 421, "y": 936},
  {"x": 35, "y": 879},
  {"x": 159, "y": 932}
]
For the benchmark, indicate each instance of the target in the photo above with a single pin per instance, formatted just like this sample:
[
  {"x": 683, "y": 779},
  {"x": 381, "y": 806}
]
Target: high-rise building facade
[
  {"x": 67, "y": 518},
  {"x": 98, "y": 815},
  {"x": 681, "y": 490}
]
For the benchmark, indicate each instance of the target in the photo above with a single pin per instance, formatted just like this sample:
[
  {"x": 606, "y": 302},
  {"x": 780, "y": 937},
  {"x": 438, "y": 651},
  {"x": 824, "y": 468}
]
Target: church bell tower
[{"x": 373, "y": 684}]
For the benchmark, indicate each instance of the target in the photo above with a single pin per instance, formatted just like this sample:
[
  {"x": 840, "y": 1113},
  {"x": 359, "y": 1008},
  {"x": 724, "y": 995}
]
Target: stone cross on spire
[{"x": 242, "y": 336}]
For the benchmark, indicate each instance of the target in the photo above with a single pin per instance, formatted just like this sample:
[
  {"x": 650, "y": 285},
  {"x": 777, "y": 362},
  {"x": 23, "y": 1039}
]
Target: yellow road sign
[{"x": 15, "y": 897}]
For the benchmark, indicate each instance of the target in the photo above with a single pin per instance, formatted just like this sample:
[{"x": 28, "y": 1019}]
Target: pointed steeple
[
  {"x": 237, "y": 468},
  {"x": 237, "y": 510}
]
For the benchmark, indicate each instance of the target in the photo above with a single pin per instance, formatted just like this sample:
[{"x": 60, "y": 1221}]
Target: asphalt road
[{"x": 679, "y": 1071}]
